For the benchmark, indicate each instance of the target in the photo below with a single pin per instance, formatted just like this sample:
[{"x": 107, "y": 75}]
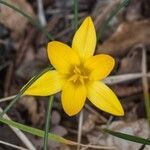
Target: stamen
[
  {"x": 73, "y": 78},
  {"x": 77, "y": 70},
  {"x": 81, "y": 80},
  {"x": 78, "y": 76}
]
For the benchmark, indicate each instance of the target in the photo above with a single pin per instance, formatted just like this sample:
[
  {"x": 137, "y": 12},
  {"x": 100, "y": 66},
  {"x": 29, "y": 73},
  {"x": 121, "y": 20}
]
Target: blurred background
[{"x": 123, "y": 31}]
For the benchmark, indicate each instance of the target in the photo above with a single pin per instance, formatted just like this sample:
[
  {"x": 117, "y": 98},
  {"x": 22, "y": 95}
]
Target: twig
[
  {"x": 41, "y": 14},
  {"x": 145, "y": 85},
  {"x": 96, "y": 113},
  {"x": 80, "y": 129},
  {"x": 109, "y": 121},
  {"x": 12, "y": 145},
  {"x": 97, "y": 147},
  {"x": 123, "y": 78},
  {"x": 7, "y": 98},
  {"x": 20, "y": 134}
]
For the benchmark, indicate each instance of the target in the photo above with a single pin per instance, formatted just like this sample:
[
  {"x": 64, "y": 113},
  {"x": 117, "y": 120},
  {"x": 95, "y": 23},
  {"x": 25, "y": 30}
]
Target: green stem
[
  {"x": 47, "y": 125},
  {"x": 30, "y": 19},
  {"x": 23, "y": 90},
  {"x": 75, "y": 14},
  {"x": 105, "y": 25}
]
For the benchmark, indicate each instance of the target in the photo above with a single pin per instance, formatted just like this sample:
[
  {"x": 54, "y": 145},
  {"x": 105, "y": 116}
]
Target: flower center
[{"x": 78, "y": 75}]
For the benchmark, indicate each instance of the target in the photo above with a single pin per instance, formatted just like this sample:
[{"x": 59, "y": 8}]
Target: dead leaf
[
  {"x": 12, "y": 19},
  {"x": 132, "y": 62},
  {"x": 89, "y": 123},
  {"x": 31, "y": 105},
  {"x": 127, "y": 35},
  {"x": 138, "y": 128}
]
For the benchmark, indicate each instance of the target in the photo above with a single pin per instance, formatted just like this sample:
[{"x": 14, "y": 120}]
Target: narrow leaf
[
  {"x": 47, "y": 123},
  {"x": 128, "y": 137},
  {"x": 35, "y": 131}
]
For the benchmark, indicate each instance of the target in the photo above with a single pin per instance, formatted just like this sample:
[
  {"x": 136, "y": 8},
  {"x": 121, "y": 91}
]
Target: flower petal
[
  {"x": 73, "y": 98},
  {"x": 61, "y": 56},
  {"x": 84, "y": 40},
  {"x": 104, "y": 98},
  {"x": 100, "y": 66},
  {"x": 49, "y": 83}
]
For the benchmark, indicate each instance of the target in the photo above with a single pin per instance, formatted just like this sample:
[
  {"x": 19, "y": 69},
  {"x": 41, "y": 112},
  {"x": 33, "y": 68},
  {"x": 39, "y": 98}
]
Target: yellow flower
[{"x": 78, "y": 74}]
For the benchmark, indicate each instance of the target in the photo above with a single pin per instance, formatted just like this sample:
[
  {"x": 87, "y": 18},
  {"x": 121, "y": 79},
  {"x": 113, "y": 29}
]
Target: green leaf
[
  {"x": 35, "y": 131},
  {"x": 128, "y": 137}
]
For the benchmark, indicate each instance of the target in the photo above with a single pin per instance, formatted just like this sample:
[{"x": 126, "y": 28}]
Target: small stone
[{"x": 55, "y": 117}]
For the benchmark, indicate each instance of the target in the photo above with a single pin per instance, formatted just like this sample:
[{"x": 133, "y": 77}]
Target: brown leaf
[
  {"x": 89, "y": 123},
  {"x": 132, "y": 62},
  {"x": 14, "y": 20},
  {"x": 137, "y": 128},
  {"x": 127, "y": 35},
  {"x": 31, "y": 105}
]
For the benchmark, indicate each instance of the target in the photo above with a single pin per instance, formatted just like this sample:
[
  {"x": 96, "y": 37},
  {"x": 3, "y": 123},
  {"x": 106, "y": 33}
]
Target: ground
[{"x": 23, "y": 55}]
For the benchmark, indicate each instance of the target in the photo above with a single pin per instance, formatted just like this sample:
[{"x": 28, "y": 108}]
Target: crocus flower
[{"x": 78, "y": 74}]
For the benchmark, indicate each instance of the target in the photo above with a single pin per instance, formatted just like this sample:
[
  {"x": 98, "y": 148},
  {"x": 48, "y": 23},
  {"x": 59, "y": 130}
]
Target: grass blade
[
  {"x": 47, "y": 125},
  {"x": 128, "y": 137},
  {"x": 35, "y": 131}
]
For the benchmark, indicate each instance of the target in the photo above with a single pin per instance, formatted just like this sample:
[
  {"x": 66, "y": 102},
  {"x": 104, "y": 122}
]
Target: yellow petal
[
  {"x": 84, "y": 40},
  {"x": 49, "y": 83},
  {"x": 100, "y": 66},
  {"x": 61, "y": 56},
  {"x": 73, "y": 98},
  {"x": 104, "y": 98}
]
